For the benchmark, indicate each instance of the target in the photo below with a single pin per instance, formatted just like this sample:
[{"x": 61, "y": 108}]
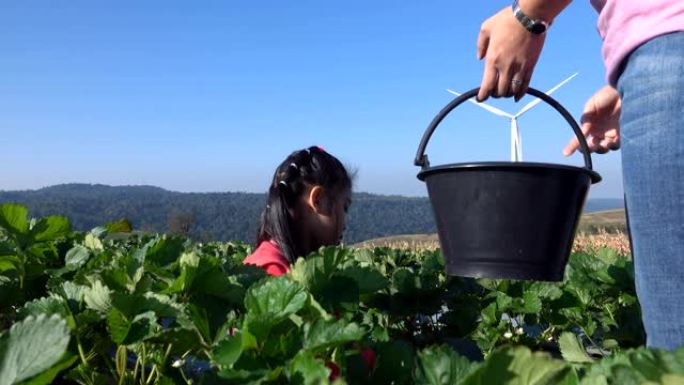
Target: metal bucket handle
[{"x": 422, "y": 158}]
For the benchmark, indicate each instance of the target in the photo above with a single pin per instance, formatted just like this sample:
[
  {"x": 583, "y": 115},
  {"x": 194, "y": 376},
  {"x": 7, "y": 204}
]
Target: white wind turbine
[{"x": 516, "y": 144}]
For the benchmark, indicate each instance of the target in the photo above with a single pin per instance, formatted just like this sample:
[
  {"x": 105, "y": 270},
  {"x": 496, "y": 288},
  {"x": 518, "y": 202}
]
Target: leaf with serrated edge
[
  {"x": 97, "y": 297},
  {"x": 519, "y": 366},
  {"x": 34, "y": 345},
  {"x": 572, "y": 350},
  {"x": 323, "y": 334},
  {"x": 50, "y": 228},
  {"x": 76, "y": 256},
  {"x": 440, "y": 365},
  {"x": 14, "y": 218}
]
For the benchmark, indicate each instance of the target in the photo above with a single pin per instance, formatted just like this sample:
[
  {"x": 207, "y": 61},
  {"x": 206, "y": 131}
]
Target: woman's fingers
[
  {"x": 482, "y": 43},
  {"x": 504, "y": 82},
  {"x": 597, "y": 144},
  {"x": 503, "y": 88},
  {"x": 574, "y": 142},
  {"x": 594, "y": 144},
  {"x": 525, "y": 78},
  {"x": 517, "y": 86},
  {"x": 610, "y": 144},
  {"x": 489, "y": 81},
  {"x": 490, "y": 74},
  {"x": 511, "y": 82},
  {"x": 571, "y": 147}
]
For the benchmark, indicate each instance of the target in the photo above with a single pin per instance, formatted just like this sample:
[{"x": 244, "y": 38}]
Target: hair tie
[{"x": 283, "y": 183}]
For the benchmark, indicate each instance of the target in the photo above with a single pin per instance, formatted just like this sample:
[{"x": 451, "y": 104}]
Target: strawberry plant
[{"x": 116, "y": 307}]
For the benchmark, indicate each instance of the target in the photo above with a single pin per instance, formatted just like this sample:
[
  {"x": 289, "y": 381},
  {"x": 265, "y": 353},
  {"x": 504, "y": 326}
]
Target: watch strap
[{"x": 536, "y": 27}]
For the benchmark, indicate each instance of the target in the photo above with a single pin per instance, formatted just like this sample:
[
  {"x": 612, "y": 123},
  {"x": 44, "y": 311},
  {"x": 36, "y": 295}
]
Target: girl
[{"x": 306, "y": 207}]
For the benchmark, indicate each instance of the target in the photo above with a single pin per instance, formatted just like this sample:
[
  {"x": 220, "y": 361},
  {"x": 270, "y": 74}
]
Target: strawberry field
[{"x": 113, "y": 307}]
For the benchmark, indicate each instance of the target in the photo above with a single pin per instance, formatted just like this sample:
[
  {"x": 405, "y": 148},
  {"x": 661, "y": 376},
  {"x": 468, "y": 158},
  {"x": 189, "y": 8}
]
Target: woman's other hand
[{"x": 600, "y": 122}]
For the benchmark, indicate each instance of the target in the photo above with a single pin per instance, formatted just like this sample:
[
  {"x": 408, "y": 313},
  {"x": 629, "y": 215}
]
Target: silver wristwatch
[{"x": 536, "y": 27}]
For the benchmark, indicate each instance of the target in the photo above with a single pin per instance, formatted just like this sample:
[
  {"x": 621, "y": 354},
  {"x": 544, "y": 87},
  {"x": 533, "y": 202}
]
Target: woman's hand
[
  {"x": 511, "y": 52},
  {"x": 600, "y": 122}
]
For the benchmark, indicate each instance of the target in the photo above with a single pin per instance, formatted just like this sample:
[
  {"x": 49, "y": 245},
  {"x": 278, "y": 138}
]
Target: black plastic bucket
[{"x": 513, "y": 220}]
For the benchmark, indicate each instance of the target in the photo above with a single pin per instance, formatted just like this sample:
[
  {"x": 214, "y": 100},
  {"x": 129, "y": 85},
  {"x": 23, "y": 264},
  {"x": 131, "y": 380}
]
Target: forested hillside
[{"x": 219, "y": 216}]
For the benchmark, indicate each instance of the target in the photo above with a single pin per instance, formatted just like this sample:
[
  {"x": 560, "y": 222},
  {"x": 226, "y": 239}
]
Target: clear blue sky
[{"x": 212, "y": 95}]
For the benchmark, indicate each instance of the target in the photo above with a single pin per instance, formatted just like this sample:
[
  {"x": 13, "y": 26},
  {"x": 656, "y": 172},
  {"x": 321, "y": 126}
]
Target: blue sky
[{"x": 212, "y": 95}]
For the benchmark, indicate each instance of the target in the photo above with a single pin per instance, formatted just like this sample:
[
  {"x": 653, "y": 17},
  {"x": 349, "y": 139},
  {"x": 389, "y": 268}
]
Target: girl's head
[{"x": 307, "y": 203}]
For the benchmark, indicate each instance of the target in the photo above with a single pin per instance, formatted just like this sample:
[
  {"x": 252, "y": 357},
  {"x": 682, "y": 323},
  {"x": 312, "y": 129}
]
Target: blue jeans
[{"x": 652, "y": 136}]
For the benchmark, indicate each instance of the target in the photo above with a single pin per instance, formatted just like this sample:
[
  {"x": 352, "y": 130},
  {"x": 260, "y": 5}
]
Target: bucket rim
[{"x": 427, "y": 171}]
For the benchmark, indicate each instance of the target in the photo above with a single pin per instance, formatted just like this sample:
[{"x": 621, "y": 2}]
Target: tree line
[{"x": 210, "y": 216}]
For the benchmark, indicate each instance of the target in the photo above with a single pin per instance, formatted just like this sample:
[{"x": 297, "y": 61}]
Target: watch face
[{"x": 537, "y": 28}]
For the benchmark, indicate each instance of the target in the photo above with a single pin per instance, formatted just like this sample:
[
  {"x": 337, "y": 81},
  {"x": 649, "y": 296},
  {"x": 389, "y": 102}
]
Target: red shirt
[{"x": 269, "y": 257}]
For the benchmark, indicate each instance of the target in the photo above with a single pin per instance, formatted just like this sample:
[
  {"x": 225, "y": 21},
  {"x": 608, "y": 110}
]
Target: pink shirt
[
  {"x": 269, "y": 257},
  {"x": 626, "y": 24}
]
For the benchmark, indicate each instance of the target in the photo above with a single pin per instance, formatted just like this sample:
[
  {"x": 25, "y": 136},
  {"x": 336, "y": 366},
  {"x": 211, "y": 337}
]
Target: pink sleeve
[{"x": 275, "y": 269}]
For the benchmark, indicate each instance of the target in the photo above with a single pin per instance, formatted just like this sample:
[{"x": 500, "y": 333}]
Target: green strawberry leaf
[{"x": 33, "y": 346}]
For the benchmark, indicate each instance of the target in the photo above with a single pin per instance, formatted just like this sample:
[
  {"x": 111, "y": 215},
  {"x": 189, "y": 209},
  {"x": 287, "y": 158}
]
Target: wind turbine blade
[
  {"x": 536, "y": 101},
  {"x": 487, "y": 107},
  {"x": 559, "y": 85}
]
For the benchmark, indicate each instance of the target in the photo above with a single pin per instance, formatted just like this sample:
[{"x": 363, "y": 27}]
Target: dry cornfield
[{"x": 592, "y": 242}]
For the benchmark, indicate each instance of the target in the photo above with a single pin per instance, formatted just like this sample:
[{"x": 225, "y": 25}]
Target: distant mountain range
[{"x": 222, "y": 216}]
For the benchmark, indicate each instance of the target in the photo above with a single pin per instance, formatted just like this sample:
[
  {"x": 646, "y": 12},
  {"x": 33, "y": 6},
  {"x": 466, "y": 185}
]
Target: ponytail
[{"x": 276, "y": 222}]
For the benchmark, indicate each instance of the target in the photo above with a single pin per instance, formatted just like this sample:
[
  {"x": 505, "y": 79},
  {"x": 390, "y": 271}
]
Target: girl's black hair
[{"x": 311, "y": 166}]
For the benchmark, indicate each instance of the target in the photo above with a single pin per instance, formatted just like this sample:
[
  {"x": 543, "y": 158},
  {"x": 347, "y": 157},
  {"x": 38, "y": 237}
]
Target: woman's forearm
[{"x": 546, "y": 10}]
